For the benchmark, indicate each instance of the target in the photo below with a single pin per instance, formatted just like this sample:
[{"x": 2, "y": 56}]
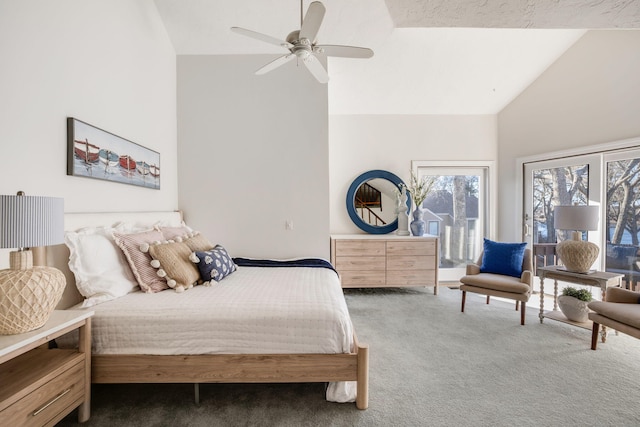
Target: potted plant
[{"x": 573, "y": 303}]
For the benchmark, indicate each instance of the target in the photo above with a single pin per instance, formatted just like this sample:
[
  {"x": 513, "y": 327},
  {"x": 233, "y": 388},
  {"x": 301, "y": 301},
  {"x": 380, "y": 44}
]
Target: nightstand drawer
[{"x": 49, "y": 403}]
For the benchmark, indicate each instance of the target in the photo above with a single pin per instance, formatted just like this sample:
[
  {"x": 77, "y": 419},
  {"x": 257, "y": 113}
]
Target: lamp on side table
[
  {"x": 577, "y": 255},
  {"x": 29, "y": 294}
]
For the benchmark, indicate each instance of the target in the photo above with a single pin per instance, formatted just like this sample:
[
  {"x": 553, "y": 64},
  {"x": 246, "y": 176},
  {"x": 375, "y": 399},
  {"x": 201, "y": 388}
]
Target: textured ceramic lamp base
[
  {"x": 27, "y": 298},
  {"x": 577, "y": 256}
]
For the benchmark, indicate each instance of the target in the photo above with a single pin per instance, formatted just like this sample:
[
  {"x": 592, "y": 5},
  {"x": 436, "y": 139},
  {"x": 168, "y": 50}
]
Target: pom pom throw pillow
[
  {"x": 172, "y": 261},
  {"x": 214, "y": 264}
]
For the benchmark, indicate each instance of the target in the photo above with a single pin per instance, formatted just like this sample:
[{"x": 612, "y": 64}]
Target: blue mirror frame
[{"x": 351, "y": 198}]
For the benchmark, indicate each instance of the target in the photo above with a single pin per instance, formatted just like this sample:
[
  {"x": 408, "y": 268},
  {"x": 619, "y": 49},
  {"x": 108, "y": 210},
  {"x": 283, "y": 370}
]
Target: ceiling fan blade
[
  {"x": 315, "y": 67},
  {"x": 275, "y": 63},
  {"x": 312, "y": 21},
  {"x": 263, "y": 37},
  {"x": 344, "y": 51}
]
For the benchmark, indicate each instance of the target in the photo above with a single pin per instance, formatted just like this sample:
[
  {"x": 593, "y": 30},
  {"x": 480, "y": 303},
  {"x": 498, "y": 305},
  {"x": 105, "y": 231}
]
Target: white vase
[{"x": 574, "y": 309}]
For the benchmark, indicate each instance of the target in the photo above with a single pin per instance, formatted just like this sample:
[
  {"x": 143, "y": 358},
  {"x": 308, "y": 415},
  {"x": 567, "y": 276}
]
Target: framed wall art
[{"x": 96, "y": 153}]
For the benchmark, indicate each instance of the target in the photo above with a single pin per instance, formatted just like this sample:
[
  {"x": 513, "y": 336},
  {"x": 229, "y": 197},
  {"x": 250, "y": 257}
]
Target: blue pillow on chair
[{"x": 503, "y": 258}]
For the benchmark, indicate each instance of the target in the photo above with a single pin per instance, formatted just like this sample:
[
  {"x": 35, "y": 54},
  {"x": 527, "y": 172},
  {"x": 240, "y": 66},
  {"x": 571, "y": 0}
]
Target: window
[
  {"x": 433, "y": 227},
  {"x": 457, "y": 211}
]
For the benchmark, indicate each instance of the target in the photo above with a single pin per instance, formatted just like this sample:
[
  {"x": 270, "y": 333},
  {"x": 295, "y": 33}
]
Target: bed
[{"x": 274, "y": 344}]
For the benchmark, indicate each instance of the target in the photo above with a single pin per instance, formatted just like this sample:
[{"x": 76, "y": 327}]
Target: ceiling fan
[{"x": 301, "y": 44}]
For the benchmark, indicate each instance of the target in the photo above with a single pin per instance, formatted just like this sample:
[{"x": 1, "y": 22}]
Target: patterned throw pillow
[
  {"x": 135, "y": 248},
  {"x": 214, "y": 264}
]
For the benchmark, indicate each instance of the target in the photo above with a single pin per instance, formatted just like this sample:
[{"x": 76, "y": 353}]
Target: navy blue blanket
[{"x": 303, "y": 262}]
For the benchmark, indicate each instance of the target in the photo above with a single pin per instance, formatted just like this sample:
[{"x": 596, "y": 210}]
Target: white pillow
[{"x": 99, "y": 266}]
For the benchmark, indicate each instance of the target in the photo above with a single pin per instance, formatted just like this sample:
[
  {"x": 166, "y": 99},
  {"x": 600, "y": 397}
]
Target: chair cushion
[
  {"x": 502, "y": 258},
  {"x": 629, "y": 314},
  {"x": 496, "y": 282}
]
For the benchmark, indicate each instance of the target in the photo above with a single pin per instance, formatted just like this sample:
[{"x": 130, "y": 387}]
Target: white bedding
[{"x": 254, "y": 310}]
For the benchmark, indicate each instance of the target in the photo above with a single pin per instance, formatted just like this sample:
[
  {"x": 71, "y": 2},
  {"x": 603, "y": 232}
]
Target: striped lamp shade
[{"x": 31, "y": 221}]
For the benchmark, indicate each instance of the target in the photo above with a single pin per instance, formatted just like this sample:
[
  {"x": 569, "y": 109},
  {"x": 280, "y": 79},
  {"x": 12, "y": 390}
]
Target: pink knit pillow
[{"x": 136, "y": 249}]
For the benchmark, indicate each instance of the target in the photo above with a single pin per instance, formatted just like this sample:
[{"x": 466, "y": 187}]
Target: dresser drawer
[
  {"x": 411, "y": 263},
  {"x": 355, "y": 279},
  {"x": 418, "y": 247},
  {"x": 411, "y": 278},
  {"x": 346, "y": 263},
  {"x": 47, "y": 404},
  {"x": 360, "y": 248}
]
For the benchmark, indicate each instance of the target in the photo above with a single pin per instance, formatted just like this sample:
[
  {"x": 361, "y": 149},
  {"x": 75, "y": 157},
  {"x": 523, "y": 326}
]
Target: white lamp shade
[
  {"x": 579, "y": 218},
  {"x": 31, "y": 221}
]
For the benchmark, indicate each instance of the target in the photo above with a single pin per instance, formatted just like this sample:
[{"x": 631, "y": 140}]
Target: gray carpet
[{"x": 430, "y": 365}]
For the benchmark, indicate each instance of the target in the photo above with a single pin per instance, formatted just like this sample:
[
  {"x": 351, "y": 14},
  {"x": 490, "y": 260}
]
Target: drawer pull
[{"x": 54, "y": 400}]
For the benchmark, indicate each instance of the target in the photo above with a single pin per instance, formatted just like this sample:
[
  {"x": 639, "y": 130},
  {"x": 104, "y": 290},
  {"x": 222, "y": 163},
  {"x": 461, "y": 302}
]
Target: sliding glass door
[
  {"x": 622, "y": 219},
  {"x": 550, "y": 183}
]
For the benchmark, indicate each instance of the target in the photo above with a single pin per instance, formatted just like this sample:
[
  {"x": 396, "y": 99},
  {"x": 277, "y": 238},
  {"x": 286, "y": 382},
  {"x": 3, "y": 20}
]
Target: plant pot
[{"x": 574, "y": 309}]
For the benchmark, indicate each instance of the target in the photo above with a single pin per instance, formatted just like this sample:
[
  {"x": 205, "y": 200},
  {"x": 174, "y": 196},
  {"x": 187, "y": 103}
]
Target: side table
[
  {"x": 40, "y": 386},
  {"x": 602, "y": 279}
]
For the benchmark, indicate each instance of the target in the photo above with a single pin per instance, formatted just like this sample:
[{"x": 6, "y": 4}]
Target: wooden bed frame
[{"x": 207, "y": 368}]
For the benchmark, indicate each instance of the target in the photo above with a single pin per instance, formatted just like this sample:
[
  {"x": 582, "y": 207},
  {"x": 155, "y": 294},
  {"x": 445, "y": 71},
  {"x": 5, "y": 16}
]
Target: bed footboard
[{"x": 236, "y": 368}]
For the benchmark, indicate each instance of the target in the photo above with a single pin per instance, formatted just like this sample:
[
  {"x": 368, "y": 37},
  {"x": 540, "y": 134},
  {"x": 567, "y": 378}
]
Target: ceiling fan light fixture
[{"x": 302, "y": 44}]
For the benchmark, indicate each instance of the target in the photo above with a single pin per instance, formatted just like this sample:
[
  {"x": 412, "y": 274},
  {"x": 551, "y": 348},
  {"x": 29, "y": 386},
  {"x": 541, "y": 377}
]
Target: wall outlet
[{"x": 288, "y": 224}]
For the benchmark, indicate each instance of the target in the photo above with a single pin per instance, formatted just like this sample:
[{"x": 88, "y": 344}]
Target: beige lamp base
[
  {"x": 27, "y": 298},
  {"x": 577, "y": 256}
]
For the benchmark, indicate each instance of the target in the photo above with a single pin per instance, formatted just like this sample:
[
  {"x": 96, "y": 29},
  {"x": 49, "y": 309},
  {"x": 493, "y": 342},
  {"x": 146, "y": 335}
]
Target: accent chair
[
  {"x": 508, "y": 286},
  {"x": 620, "y": 311}
]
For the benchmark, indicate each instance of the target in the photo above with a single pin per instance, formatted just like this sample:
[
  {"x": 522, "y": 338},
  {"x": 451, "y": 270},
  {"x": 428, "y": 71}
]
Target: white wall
[
  {"x": 253, "y": 153},
  {"x": 358, "y": 143},
  {"x": 107, "y": 63},
  {"x": 590, "y": 95}
]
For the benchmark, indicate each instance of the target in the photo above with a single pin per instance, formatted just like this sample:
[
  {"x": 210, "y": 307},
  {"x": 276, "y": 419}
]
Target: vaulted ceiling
[{"x": 431, "y": 57}]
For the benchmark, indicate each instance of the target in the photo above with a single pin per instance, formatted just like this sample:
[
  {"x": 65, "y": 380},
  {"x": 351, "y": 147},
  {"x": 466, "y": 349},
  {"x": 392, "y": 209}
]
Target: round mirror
[{"x": 372, "y": 201}]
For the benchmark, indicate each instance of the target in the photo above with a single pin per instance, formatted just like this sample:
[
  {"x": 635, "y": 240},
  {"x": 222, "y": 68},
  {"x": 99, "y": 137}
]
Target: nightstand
[{"x": 40, "y": 386}]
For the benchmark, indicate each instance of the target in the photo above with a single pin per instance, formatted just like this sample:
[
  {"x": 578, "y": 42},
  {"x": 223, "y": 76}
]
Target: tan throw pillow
[
  {"x": 198, "y": 243},
  {"x": 172, "y": 261},
  {"x": 135, "y": 249}
]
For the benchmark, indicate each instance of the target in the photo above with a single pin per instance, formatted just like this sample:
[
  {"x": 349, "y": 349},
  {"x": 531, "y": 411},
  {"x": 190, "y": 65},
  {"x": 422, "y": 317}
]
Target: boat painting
[
  {"x": 154, "y": 171},
  {"x": 109, "y": 158},
  {"x": 85, "y": 151},
  {"x": 127, "y": 163},
  {"x": 95, "y": 153}
]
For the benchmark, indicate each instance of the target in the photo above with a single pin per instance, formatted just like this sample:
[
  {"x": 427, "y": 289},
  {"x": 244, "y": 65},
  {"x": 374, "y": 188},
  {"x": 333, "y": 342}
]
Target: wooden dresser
[
  {"x": 369, "y": 260},
  {"x": 40, "y": 386}
]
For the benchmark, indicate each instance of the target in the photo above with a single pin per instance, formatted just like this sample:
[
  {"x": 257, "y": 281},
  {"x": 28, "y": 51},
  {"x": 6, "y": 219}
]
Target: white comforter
[{"x": 254, "y": 310}]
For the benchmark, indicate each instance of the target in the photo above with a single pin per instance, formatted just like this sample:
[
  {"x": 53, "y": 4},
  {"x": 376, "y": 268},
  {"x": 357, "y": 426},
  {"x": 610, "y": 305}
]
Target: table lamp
[
  {"x": 577, "y": 255},
  {"x": 29, "y": 294}
]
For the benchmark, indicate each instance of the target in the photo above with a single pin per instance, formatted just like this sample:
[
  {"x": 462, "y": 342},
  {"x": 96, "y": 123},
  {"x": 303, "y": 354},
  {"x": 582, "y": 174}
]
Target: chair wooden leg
[
  {"x": 524, "y": 308},
  {"x": 594, "y": 335},
  {"x": 517, "y": 305},
  {"x": 464, "y": 297},
  {"x": 488, "y": 299}
]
